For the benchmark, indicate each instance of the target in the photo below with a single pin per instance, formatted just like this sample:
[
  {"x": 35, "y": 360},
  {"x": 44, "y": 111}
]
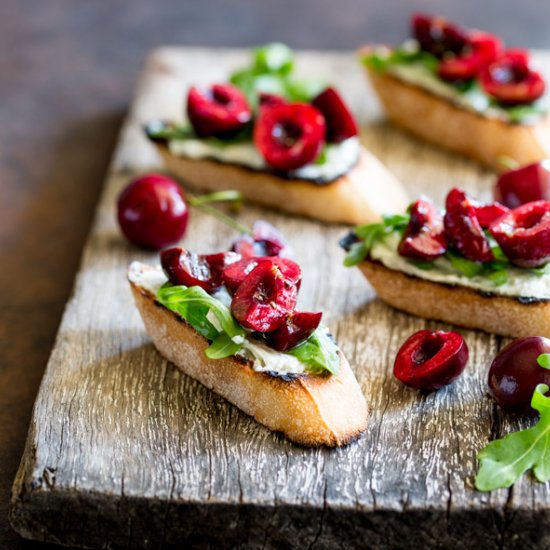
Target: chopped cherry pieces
[
  {"x": 463, "y": 229},
  {"x": 266, "y": 240},
  {"x": 340, "y": 122},
  {"x": 289, "y": 136},
  {"x": 511, "y": 81},
  {"x": 438, "y": 36},
  {"x": 236, "y": 273},
  {"x": 526, "y": 184},
  {"x": 221, "y": 110},
  {"x": 424, "y": 237},
  {"x": 524, "y": 234},
  {"x": 429, "y": 360},
  {"x": 271, "y": 100},
  {"x": 488, "y": 213},
  {"x": 264, "y": 299},
  {"x": 185, "y": 268},
  {"x": 299, "y": 326}
]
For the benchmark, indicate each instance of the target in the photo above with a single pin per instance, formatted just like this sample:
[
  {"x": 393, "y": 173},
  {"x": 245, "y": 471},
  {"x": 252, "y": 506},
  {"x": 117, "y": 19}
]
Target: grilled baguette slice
[
  {"x": 362, "y": 195},
  {"x": 310, "y": 410},
  {"x": 439, "y": 121},
  {"x": 459, "y": 305}
]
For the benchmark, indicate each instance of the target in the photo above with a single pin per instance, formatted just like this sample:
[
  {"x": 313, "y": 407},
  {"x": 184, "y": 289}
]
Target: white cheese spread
[
  {"x": 521, "y": 283},
  {"x": 340, "y": 157}
]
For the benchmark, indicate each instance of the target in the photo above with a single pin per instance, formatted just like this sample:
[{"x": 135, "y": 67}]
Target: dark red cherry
[
  {"x": 236, "y": 273},
  {"x": 438, "y": 36},
  {"x": 511, "y": 81},
  {"x": 221, "y": 110},
  {"x": 429, "y": 360},
  {"x": 266, "y": 240},
  {"x": 463, "y": 229},
  {"x": 340, "y": 122},
  {"x": 424, "y": 237},
  {"x": 526, "y": 184},
  {"x": 515, "y": 373},
  {"x": 524, "y": 234},
  {"x": 299, "y": 326},
  {"x": 152, "y": 212},
  {"x": 264, "y": 299},
  {"x": 290, "y": 136},
  {"x": 488, "y": 213},
  {"x": 481, "y": 50},
  {"x": 185, "y": 268}
]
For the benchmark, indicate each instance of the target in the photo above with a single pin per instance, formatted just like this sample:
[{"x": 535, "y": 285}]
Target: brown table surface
[{"x": 66, "y": 74}]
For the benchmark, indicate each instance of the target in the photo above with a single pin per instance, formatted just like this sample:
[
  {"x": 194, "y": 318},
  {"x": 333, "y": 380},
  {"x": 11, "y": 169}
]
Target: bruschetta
[
  {"x": 461, "y": 90},
  {"x": 230, "y": 323},
  {"x": 481, "y": 266},
  {"x": 297, "y": 150}
]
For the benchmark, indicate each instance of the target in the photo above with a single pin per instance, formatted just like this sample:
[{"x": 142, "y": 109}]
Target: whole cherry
[
  {"x": 152, "y": 212},
  {"x": 429, "y": 360},
  {"x": 516, "y": 371}
]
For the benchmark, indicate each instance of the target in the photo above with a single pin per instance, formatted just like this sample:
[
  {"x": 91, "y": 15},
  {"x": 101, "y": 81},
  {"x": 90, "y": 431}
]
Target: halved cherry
[
  {"x": 488, "y": 213},
  {"x": 429, "y": 360},
  {"x": 481, "y": 50},
  {"x": 524, "y": 234},
  {"x": 290, "y": 136},
  {"x": 264, "y": 299},
  {"x": 221, "y": 110},
  {"x": 424, "y": 237},
  {"x": 299, "y": 326},
  {"x": 438, "y": 36},
  {"x": 340, "y": 122},
  {"x": 526, "y": 184},
  {"x": 236, "y": 273},
  {"x": 511, "y": 81},
  {"x": 266, "y": 240},
  {"x": 463, "y": 229},
  {"x": 185, "y": 268},
  {"x": 271, "y": 100}
]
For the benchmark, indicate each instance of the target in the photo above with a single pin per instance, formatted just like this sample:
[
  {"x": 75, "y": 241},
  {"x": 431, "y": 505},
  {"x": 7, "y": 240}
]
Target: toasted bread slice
[
  {"x": 459, "y": 305},
  {"x": 362, "y": 195},
  {"x": 311, "y": 410},
  {"x": 443, "y": 123}
]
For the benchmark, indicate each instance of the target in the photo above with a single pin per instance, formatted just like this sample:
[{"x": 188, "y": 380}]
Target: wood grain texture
[{"x": 124, "y": 451}]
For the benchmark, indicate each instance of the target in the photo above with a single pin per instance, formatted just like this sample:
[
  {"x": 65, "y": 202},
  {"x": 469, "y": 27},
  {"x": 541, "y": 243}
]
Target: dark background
[{"x": 67, "y": 69}]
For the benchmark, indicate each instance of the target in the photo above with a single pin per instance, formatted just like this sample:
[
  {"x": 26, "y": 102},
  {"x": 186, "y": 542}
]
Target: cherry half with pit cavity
[
  {"x": 424, "y": 237},
  {"x": 264, "y": 299},
  {"x": 340, "y": 122},
  {"x": 236, "y": 273},
  {"x": 429, "y": 360},
  {"x": 221, "y": 110},
  {"x": 438, "y": 36},
  {"x": 525, "y": 184},
  {"x": 290, "y": 136},
  {"x": 515, "y": 373},
  {"x": 299, "y": 326},
  {"x": 185, "y": 268},
  {"x": 511, "y": 81},
  {"x": 152, "y": 212},
  {"x": 463, "y": 229},
  {"x": 524, "y": 234}
]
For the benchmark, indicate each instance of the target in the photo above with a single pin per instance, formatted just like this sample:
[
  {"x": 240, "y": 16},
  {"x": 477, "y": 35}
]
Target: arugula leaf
[
  {"x": 160, "y": 130},
  {"x": 466, "y": 267},
  {"x": 318, "y": 352},
  {"x": 544, "y": 360},
  {"x": 504, "y": 461},
  {"x": 540, "y": 271},
  {"x": 499, "y": 277},
  {"x": 194, "y": 304},
  {"x": 382, "y": 59},
  {"x": 521, "y": 113},
  {"x": 372, "y": 233},
  {"x": 273, "y": 58}
]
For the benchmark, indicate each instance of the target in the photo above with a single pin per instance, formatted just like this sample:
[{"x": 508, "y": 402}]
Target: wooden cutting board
[{"x": 124, "y": 451}]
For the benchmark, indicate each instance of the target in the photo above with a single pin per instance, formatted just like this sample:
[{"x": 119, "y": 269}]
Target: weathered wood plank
[{"x": 124, "y": 451}]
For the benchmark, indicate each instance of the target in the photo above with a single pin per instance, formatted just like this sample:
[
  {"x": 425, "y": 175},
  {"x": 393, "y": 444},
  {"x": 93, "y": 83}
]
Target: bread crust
[
  {"x": 458, "y": 305},
  {"x": 362, "y": 195},
  {"x": 308, "y": 410},
  {"x": 443, "y": 123}
]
